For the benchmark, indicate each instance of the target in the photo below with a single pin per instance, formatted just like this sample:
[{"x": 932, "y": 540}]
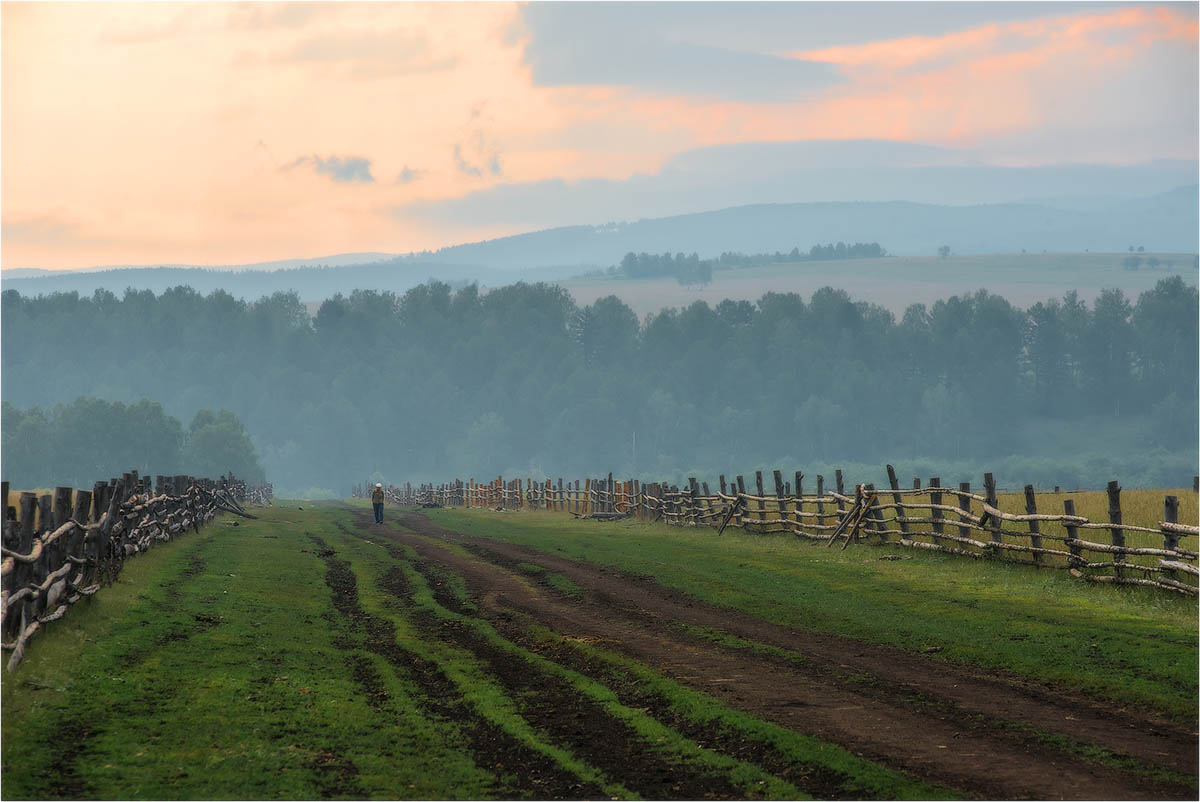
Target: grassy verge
[{"x": 1132, "y": 645}]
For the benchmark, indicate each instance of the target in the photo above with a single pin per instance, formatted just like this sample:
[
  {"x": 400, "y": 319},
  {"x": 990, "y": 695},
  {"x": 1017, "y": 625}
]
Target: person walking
[{"x": 377, "y": 502}]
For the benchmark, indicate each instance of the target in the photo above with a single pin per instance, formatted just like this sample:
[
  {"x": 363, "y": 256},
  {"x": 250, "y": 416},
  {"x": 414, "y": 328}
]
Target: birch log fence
[
  {"x": 63, "y": 547},
  {"x": 932, "y": 518}
]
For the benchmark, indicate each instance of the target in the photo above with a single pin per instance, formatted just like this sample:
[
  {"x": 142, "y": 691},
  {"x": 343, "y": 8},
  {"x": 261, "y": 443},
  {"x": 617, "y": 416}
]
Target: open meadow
[
  {"x": 470, "y": 653},
  {"x": 896, "y": 282}
]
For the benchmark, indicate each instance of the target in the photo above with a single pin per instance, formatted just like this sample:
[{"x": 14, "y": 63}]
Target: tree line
[
  {"x": 90, "y": 438},
  {"x": 524, "y": 381},
  {"x": 691, "y": 269}
]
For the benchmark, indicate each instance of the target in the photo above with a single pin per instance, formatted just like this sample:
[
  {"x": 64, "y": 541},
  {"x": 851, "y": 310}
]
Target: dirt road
[{"x": 984, "y": 734}]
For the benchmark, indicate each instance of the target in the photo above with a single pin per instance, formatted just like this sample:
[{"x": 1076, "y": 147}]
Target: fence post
[
  {"x": 83, "y": 502},
  {"x": 820, "y": 504},
  {"x": 695, "y": 500},
  {"x": 935, "y": 500},
  {"x": 25, "y": 573},
  {"x": 989, "y": 484},
  {"x": 841, "y": 491},
  {"x": 779, "y": 499},
  {"x": 741, "y": 491},
  {"x": 62, "y": 505},
  {"x": 1076, "y": 553},
  {"x": 1034, "y": 528},
  {"x": 899, "y": 512},
  {"x": 762, "y": 504},
  {"x": 9, "y": 538},
  {"x": 1171, "y": 516},
  {"x": 799, "y": 502},
  {"x": 964, "y": 504},
  {"x": 874, "y": 514},
  {"x": 1114, "y": 517}
]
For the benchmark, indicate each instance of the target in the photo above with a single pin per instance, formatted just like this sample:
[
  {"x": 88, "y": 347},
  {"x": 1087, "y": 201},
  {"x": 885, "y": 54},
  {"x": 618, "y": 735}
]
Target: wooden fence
[
  {"x": 63, "y": 547},
  {"x": 935, "y": 518}
]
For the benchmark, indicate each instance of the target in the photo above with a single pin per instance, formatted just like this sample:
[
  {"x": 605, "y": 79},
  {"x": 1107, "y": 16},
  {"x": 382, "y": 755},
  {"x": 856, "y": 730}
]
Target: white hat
[{"x": 379, "y": 484}]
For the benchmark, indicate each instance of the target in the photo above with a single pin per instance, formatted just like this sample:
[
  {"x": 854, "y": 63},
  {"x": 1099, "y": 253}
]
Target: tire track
[
  {"x": 523, "y": 771},
  {"x": 573, "y": 721},
  {"x": 942, "y": 742}
]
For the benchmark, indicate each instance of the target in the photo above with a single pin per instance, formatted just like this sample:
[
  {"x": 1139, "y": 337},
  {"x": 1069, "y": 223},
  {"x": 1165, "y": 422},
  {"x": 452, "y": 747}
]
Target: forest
[
  {"x": 691, "y": 269},
  {"x": 91, "y": 439},
  {"x": 521, "y": 380}
]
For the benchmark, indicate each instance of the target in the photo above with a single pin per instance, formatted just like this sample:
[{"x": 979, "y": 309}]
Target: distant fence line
[
  {"x": 53, "y": 556},
  {"x": 970, "y": 525}
]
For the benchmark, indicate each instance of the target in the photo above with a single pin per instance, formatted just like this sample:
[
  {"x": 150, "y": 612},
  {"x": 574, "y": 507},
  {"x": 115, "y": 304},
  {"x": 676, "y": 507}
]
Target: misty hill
[{"x": 1165, "y": 222}]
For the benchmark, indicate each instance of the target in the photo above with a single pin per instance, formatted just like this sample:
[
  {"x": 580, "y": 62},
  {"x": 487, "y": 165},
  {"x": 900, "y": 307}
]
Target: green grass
[
  {"x": 218, "y": 666},
  {"x": 222, "y": 683},
  {"x": 1132, "y": 645}
]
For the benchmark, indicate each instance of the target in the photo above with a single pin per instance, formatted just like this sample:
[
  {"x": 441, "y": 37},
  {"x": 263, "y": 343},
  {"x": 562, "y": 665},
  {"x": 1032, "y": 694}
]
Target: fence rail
[
  {"x": 64, "y": 547},
  {"x": 934, "y": 518}
]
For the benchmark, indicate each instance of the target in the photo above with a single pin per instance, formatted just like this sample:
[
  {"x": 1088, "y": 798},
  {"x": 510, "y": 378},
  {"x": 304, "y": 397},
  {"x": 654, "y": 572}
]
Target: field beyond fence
[{"x": 1092, "y": 537}]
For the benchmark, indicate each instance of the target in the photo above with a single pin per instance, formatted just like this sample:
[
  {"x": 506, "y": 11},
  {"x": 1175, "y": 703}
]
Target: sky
[{"x": 214, "y": 133}]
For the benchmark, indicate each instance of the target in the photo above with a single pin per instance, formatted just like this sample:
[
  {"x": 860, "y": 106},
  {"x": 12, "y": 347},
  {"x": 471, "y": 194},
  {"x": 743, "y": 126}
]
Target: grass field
[
  {"x": 897, "y": 282},
  {"x": 310, "y": 654}
]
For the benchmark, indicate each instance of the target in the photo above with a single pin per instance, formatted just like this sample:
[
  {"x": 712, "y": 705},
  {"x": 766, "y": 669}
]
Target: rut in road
[{"x": 938, "y": 722}]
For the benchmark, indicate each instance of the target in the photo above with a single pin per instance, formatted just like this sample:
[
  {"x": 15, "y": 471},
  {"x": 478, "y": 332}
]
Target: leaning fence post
[
  {"x": 899, "y": 512},
  {"x": 1114, "y": 517},
  {"x": 741, "y": 491}
]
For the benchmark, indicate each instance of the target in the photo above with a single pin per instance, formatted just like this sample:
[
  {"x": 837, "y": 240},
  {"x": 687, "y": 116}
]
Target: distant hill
[
  {"x": 1162, "y": 223},
  {"x": 1165, "y": 222}
]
